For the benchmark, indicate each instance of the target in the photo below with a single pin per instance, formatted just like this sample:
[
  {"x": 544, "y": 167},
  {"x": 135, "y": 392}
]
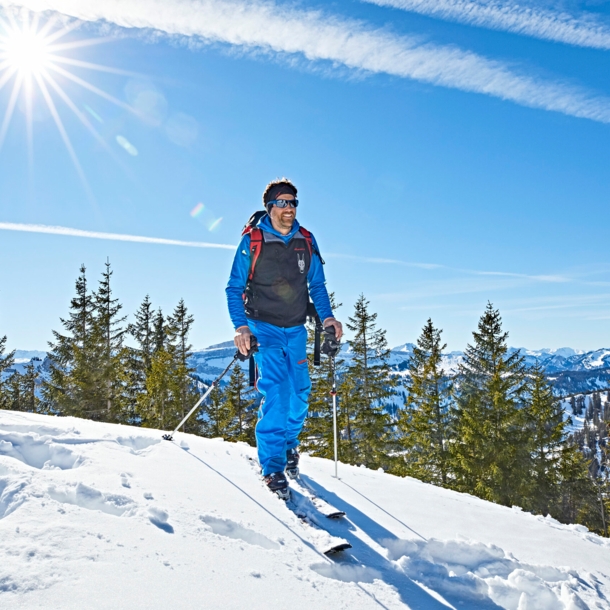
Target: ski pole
[
  {"x": 238, "y": 356},
  {"x": 333, "y": 393},
  {"x": 331, "y": 347}
]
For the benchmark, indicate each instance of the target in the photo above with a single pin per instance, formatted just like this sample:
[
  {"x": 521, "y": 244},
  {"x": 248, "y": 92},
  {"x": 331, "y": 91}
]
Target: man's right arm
[{"x": 235, "y": 290}]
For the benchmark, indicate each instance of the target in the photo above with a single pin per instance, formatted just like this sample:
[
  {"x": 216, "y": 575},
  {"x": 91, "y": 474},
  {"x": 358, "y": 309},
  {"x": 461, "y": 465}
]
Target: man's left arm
[{"x": 318, "y": 292}]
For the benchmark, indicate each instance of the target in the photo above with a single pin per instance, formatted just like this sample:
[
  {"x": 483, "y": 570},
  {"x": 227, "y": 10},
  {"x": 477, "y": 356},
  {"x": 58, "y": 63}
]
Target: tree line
[
  {"x": 93, "y": 373},
  {"x": 494, "y": 430}
]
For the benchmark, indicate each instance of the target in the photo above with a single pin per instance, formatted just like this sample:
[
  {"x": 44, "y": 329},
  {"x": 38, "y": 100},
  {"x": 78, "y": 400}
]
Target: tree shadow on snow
[{"x": 362, "y": 560}]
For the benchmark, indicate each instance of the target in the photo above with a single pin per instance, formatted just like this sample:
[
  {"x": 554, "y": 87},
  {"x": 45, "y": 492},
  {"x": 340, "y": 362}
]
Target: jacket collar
[{"x": 265, "y": 224}]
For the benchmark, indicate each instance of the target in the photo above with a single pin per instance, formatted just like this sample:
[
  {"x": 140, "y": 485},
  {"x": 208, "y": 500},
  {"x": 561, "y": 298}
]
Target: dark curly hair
[{"x": 277, "y": 182}]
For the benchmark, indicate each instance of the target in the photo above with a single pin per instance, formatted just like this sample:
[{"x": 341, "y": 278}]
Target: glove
[{"x": 331, "y": 346}]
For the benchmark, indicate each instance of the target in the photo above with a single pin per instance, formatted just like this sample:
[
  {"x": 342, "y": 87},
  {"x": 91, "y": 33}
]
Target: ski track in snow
[{"x": 102, "y": 516}]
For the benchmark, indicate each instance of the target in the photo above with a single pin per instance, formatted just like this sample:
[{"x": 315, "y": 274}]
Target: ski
[
  {"x": 322, "y": 506},
  {"x": 300, "y": 503},
  {"x": 301, "y": 506}
]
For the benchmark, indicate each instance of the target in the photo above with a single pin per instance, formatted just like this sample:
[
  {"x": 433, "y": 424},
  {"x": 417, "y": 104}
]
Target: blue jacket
[{"x": 241, "y": 268}]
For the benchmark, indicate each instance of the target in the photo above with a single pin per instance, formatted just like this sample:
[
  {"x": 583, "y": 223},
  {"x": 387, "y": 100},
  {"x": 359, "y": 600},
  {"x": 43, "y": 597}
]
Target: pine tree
[
  {"x": 155, "y": 407},
  {"x": 490, "y": 456},
  {"x": 140, "y": 358},
  {"x": 21, "y": 391},
  {"x": 217, "y": 418},
  {"x": 425, "y": 424},
  {"x": 72, "y": 387},
  {"x": 108, "y": 332},
  {"x": 578, "y": 498},
  {"x": 30, "y": 402},
  {"x": 178, "y": 328},
  {"x": 243, "y": 414},
  {"x": 547, "y": 429},
  {"x": 317, "y": 436},
  {"x": 6, "y": 362},
  {"x": 369, "y": 376}
]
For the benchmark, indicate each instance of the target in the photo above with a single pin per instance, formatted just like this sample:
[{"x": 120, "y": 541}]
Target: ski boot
[
  {"x": 292, "y": 463},
  {"x": 278, "y": 484}
]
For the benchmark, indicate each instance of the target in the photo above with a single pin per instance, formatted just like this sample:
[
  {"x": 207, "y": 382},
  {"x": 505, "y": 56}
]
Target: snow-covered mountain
[
  {"x": 103, "y": 516},
  {"x": 570, "y": 370}
]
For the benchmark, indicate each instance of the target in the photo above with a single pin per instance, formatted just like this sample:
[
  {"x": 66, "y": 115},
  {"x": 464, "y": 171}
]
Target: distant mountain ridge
[{"x": 571, "y": 371}]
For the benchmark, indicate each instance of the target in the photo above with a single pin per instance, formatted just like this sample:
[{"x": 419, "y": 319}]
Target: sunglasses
[{"x": 284, "y": 203}]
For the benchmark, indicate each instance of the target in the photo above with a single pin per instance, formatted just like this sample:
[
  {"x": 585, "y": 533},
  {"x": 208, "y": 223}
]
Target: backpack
[{"x": 256, "y": 243}]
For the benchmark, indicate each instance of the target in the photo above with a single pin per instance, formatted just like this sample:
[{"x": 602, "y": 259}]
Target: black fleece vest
[{"x": 277, "y": 292}]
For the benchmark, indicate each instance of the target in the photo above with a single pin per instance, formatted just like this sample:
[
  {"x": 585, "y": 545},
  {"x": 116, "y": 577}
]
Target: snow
[{"x": 103, "y": 516}]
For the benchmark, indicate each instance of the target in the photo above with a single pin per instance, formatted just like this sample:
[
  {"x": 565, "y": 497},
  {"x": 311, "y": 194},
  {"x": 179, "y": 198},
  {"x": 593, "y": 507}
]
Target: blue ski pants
[{"x": 283, "y": 380}]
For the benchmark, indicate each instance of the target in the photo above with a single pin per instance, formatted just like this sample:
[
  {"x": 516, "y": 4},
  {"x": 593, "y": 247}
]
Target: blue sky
[{"x": 446, "y": 154}]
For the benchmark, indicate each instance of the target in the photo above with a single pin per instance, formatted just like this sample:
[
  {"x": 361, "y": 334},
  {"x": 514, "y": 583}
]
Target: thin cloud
[
  {"x": 555, "y": 279},
  {"x": 318, "y": 36},
  {"x": 578, "y": 30},
  {"x": 69, "y": 232}
]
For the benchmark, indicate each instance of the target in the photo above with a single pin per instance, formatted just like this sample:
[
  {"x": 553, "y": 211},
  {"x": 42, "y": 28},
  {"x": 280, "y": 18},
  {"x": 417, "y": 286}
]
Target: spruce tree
[
  {"x": 490, "y": 455},
  {"x": 577, "y": 494},
  {"x": 178, "y": 328},
  {"x": 111, "y": 361},
  {"x": 241, "y": 408},
  {"x": 317, "y": 436},
  {"x": 370, "y": 380},
  {"x": 140, "y": 358},
  {"x": 425, "y": 424},
  {"x": 217, "y": 418},
  {"x": 155, "y": 407},
  {"x": 30, "y": 402},
  {"x": 72, "y": 387},
  {"x": 547, "y": 432},
  {"x": 6, "y": 362}
]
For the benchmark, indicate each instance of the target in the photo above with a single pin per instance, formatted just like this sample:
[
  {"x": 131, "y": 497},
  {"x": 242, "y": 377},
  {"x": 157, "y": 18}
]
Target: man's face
[{"x": 283, "y": 218}]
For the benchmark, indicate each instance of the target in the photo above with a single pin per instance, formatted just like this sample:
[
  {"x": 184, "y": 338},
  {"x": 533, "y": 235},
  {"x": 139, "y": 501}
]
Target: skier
[{"x": 276, "y": 269}]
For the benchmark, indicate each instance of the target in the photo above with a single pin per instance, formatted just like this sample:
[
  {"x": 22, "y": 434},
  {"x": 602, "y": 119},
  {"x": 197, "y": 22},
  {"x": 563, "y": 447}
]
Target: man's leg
[
  {"x": 300, "y": 384},
  {"x": 274, "y": 385}
]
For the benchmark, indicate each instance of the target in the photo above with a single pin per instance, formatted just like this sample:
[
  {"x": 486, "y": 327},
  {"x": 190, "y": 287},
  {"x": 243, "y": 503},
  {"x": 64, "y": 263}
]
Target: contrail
[{"x": 70, "y": 232}]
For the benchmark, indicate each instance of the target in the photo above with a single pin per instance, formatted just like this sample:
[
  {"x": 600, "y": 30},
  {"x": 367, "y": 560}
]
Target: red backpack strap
[
  {"x": 310, "y": 245},
  {"x": 307, "y": 235},
  {"x": 256, "y": 244}
]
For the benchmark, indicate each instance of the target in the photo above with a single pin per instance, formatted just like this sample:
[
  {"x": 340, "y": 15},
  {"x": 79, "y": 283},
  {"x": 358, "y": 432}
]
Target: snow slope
[{"x": 102, "y": 516}]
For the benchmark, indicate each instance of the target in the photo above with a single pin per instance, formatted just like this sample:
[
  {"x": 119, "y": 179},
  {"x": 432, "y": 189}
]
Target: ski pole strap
[
  {"x": 316, "y": 342},
  {"x": 252, "y": 372}
]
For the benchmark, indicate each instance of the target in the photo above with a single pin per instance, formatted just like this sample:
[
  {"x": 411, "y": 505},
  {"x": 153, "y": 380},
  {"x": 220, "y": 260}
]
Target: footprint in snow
[
  {"x": 230, "y": 529},
  {"x": 159, "y": 518}
]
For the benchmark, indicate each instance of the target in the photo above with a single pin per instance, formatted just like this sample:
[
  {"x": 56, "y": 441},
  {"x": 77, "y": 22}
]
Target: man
[{"x": 277, "y": 268}]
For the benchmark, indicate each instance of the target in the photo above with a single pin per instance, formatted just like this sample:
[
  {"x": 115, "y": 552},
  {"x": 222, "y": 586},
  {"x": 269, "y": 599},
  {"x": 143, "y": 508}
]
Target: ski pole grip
[
  {"x": 253, "y": 349},
  {"x": 331, "y": 345}
]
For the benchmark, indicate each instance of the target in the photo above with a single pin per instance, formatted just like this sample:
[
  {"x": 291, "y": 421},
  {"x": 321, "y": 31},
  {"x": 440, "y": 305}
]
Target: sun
[
  {"x": 26, "y": 52},
  {"x": 36, "y": 55}
]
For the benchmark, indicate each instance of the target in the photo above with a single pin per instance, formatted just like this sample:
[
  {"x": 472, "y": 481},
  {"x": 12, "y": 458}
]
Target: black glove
[
  {"x": 253, "y": 349},
  {"x": 331, "y": 345}
]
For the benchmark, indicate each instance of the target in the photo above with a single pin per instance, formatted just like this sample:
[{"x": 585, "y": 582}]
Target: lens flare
[
  {"x": 124, "y": 143},
  {"x": 214, "y": 224},
  {"x": 196, "y": 211}
]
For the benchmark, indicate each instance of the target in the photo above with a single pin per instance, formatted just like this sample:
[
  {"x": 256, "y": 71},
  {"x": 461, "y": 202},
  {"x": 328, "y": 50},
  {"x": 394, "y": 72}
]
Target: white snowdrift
[{"x": 102, "y": 516}]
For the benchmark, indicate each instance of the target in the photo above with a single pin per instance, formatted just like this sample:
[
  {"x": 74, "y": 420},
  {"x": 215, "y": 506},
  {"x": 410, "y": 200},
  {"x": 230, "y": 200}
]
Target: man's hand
[
  {"x": 242, "y": 339},
  {"x": 337, "y": 325}
]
